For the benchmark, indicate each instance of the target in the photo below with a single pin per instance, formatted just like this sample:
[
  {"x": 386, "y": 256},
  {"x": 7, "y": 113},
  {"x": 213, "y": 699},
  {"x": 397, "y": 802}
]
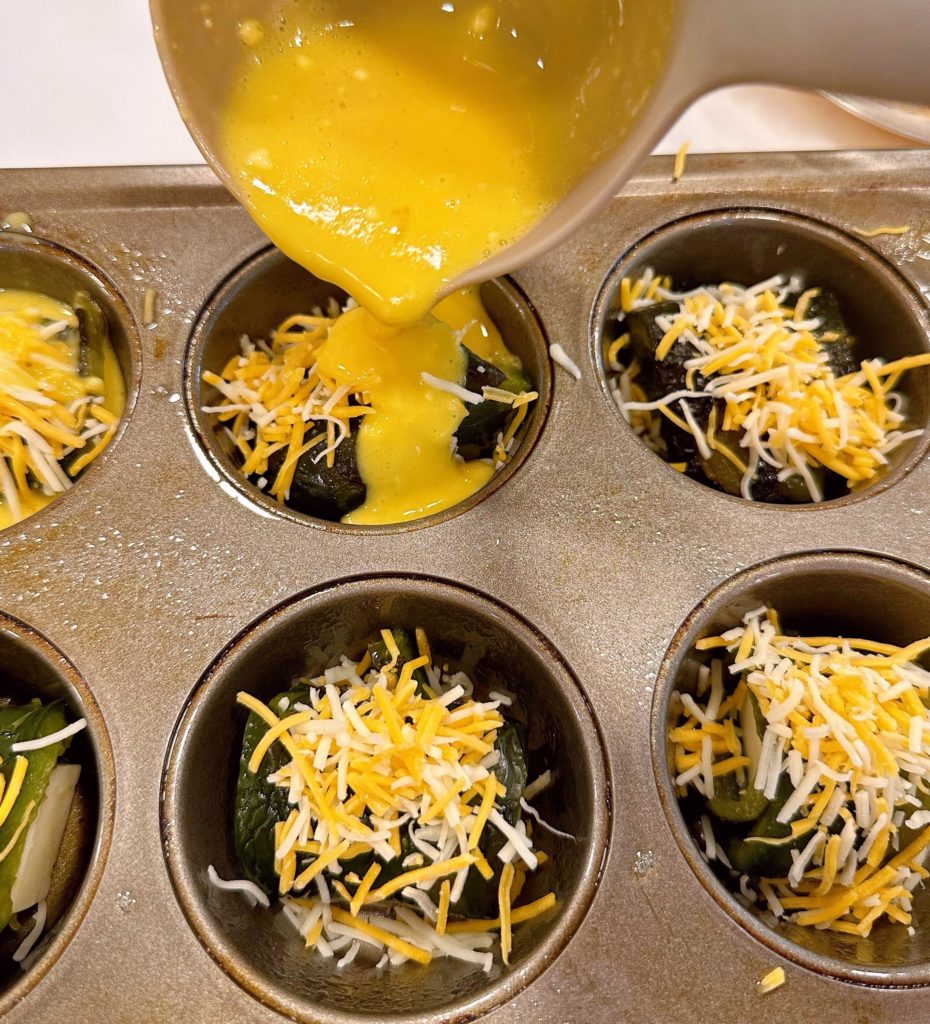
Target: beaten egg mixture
[
  {"x": 405, "y": 450},
  {"x": 391, "y": 147}
]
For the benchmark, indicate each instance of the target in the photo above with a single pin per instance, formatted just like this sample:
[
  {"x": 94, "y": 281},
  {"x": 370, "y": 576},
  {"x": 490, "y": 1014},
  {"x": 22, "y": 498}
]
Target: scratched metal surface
[{"x": 146, "y": 570}]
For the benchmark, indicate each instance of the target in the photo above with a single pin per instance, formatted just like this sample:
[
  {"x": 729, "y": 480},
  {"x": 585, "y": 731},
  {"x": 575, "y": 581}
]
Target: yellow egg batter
[
  {"x": 44, "y": 401},
  {"x": 390, "y": 147},
  {"x": 405, "y": 449}
]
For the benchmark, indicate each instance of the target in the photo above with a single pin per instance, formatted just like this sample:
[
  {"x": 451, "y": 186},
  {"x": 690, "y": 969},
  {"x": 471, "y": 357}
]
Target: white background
[{"x": 80, "y": 84}]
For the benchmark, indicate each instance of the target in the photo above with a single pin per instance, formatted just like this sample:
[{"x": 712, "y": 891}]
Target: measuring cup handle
[{"x": 878, "y": 48}]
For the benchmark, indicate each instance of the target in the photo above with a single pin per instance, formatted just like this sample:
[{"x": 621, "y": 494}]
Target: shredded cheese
[
  {"x": 148, "y": 307},
  {"x": 53, "y": 422},
  {"x": 766, "y": 384},
  {"x": 25, "y": 947},
  {"x": 240, "y": 885},
  {"x": 12, "y": 790},
  {"x": 885, "y": 229},
  {"x": 773, "y": 980},
  {"x": 563, "y": 359},
  {"x": 680, "y": 159},
  {"x": 24, "y": 746},
  {"x": 503, "y": 895},
  {"x": 847, "y": 724},
  {"x": 376, "y": 756}
]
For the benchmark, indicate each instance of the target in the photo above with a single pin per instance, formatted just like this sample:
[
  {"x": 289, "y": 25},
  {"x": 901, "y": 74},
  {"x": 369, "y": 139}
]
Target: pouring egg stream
[{"x": 390, "y": 149}]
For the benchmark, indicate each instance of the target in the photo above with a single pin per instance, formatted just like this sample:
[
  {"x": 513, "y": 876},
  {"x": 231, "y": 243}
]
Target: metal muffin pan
[
  {"x": 310, "y": 632},
  {"x": 263, "y": 292},
  {"x": 156, "y": 574}
]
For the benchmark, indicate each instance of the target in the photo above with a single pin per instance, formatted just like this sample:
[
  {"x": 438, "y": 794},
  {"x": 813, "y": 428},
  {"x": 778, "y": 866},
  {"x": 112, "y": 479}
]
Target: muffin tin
[{"x": 159, "y": 585}]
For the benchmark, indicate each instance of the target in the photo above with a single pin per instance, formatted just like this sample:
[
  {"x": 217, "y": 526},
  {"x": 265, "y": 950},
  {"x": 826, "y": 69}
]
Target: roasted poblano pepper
[
  {"x": 477, "y": 433},
  {"x": 19, "y": 723},
  {"x": 326, "y": 492},
  {"x": 260, "y": 805},
  {"x": 93, "y": 334},
  {"x": 765, "y": 851},
  {"x": 833, "y": 334},
  {"x": 381, "y": 657},
  {"x": 662, "y": 377},
  {"x": 732, "y": 803}
]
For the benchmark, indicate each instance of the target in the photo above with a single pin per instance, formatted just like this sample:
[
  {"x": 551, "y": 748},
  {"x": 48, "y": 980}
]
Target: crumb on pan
[
  {"x": 773, "y": 980},
  {"x": 681, "y": 158}
]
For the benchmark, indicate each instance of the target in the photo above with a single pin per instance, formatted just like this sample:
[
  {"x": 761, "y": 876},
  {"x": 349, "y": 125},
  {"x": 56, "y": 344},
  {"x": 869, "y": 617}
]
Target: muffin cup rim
[
  {"x": 11, "y": 240},
  {"x": 917, "y": 306},
  {"x": 68, "y": 926},
  {"x": 262, "y": 503},
  {"x": 573, "y": 910},
  {"x": 793, "y": 564}
]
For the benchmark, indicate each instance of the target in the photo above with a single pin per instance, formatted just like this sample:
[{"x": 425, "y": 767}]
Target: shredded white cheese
[
  {"x": 25, "y": 947},
  {"x": 240, "y": 885},
  {"x": 563, "y": 359},
  {"x": 53, "y": 737}
]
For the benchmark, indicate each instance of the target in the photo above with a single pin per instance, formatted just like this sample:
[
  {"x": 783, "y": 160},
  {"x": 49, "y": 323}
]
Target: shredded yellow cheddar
[
  {"x": 388, "y": 764},
  {"x": 831, "y": 737}
]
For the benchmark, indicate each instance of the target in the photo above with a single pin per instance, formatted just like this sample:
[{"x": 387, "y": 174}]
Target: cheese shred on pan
[
  {"x": 885, "y": 229},
  {"x": 380, "y": 765},
  {"x": 773, "y": 980},
  {"x": 827, "y": 739},
  {"x": 681, "y": 158}
]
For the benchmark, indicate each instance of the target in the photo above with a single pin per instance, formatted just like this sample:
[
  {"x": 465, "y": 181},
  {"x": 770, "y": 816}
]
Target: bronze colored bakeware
[{"x": 584, "y": 575}]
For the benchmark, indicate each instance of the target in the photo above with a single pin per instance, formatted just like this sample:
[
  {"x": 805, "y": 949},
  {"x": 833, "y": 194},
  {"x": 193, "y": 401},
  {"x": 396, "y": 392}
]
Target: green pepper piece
[
  {"x": 325, "y": 492},
  {"x": 479, "y": 896},
  {"x": 719, "y": 470},
  {"x": 477, "y": 433},
  {"x": 93, "y": 334},
  {"x": 259, "y": 804},
  {"x": 795, "y": 489},
  {"x": 511, "y": 772},
  {"x": 730, "y": 803},
  {"x": 480, "y": 373},
  {"x": 766, "y": 851},
  {"x": 17, "y": 724},
  {"x": 666, "y": 375},
  {"x": 833, "y": 334}
]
